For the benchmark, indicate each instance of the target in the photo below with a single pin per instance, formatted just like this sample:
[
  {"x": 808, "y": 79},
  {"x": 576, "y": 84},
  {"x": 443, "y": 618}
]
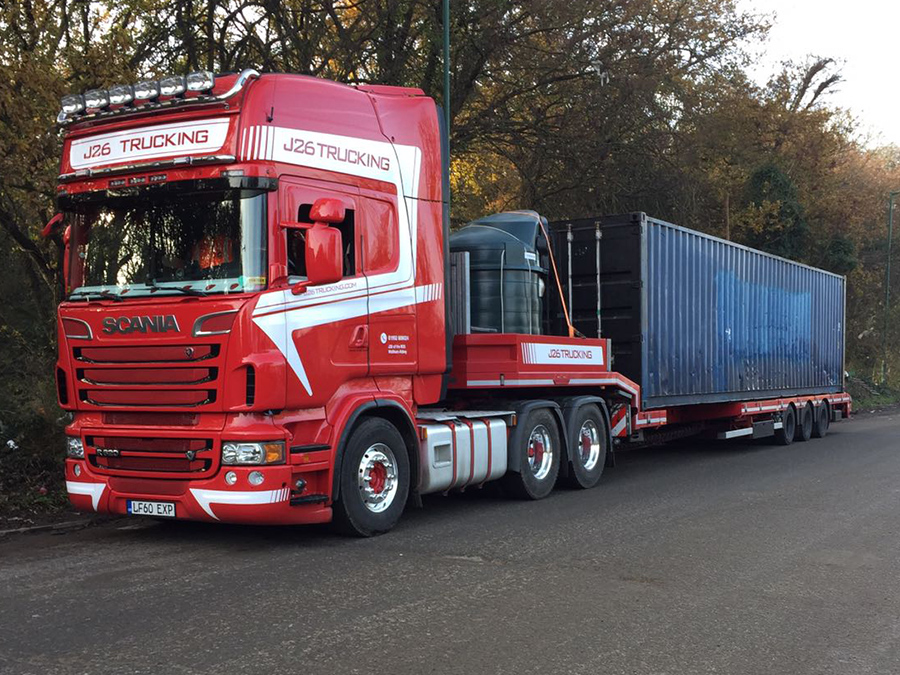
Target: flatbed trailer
[{"x": 268, "y": 321}]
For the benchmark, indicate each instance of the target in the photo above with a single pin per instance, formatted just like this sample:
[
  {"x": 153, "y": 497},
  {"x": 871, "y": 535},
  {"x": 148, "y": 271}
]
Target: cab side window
[
  {"x": 296, "y": 253},
  {"x": 381, "y": 245},
  {"x": 296, "y": 243}
]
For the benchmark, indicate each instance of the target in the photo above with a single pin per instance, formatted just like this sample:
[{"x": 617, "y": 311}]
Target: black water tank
[{"x": 508, "y": 264}]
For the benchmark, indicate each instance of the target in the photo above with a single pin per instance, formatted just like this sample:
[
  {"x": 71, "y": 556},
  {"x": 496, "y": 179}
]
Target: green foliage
[
  {"x": 840, "y": 255},
  {"x": 780, "y": 224}
]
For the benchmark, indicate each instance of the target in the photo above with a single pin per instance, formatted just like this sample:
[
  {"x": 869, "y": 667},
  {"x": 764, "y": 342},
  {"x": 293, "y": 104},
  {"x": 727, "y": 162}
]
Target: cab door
[
  {"x": 392, "y": 309},
  {"x": 327, "y": 324}
]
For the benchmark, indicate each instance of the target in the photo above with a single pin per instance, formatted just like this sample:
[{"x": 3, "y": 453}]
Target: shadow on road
[{"x": 635, "y": 469}]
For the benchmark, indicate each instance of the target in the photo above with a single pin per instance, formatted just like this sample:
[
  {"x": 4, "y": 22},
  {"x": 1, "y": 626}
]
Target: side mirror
[
  {"x": 51, "y": 225},
  {"x": 324, "y": 262},
  {"x": 327, "y": 210}
]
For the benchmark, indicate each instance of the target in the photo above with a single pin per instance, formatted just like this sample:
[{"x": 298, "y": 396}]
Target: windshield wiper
[
  {"x": 105, "y": 294},
  {"x": 181, "y": 289}
]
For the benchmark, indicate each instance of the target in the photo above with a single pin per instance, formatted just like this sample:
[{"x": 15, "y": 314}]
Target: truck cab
[{"x": 252, "y": 261}]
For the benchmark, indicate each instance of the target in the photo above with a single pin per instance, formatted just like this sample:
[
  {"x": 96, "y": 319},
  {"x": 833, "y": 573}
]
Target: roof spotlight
[
  {"x": 73, "y": 103},
  {"x": 121, "y": 94},
  {"x": 173, "y": 85},
  {"x": 146, "y": 90},
  {"x": 201, "y": 81},
  {"x": 96, "y": 98}
]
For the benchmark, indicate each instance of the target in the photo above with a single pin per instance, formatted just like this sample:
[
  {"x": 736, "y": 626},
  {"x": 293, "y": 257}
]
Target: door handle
[{"x": 359, "y": 339}]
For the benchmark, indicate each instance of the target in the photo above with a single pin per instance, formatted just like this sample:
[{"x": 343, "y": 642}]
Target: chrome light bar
[{"x": 75, "y": 106}]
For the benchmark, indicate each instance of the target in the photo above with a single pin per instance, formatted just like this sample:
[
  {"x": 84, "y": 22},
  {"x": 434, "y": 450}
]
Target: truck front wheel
[
  {"x": 539, "y": 452},
  {"x": 374, "y": 480}
]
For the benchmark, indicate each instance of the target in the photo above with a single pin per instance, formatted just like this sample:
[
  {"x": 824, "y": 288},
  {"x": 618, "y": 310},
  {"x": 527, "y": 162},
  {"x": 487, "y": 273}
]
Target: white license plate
[{"x": 158, "y": 509}]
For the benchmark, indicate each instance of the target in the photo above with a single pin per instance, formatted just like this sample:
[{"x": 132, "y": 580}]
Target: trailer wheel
[
  {"x": 822, "y": 420},
  {"x": 785, "y": 435},
  {"x": 590, "y": 440},
  {"x": 805, "y": 427},
  {"x": 539, "y": 456},
  {"x": 374, "y": 480}
]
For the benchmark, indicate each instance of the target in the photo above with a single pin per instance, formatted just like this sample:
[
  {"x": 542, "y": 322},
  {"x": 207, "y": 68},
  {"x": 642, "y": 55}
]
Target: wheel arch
[
  {"x": 569, "y": 407},
  {"x": 522, "y": 408},
  {"x": 399, "y": 417}
]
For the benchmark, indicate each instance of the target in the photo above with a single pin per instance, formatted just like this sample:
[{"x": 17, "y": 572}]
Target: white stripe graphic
[
  {"x": 205, "y": 498},
  {"x": 95, "y": 490},
  {"x": 279, "y": 313},
  {"x": 279, "y": 326}
]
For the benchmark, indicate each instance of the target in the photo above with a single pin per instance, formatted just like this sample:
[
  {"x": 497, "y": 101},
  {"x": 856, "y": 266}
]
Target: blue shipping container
[{"x": 697, "y": 319}]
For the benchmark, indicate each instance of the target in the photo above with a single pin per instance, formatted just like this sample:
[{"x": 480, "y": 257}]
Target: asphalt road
[{"x": 731, "y": 559}]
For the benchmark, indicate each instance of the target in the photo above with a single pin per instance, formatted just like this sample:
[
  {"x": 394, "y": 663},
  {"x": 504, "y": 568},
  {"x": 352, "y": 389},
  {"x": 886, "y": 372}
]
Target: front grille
[
  {"x": 147, "y": 376},
  {"x": 149, "y": 398},
  {"x": 122, "y": 455},
  {"x": 150, "y": 419},
  {"x": 146, "y": 354},
  {"x": 131, "y": 376}
]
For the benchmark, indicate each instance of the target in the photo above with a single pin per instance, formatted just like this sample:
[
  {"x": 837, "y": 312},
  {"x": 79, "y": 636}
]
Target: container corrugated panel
[{"x": 697, "y": 319}]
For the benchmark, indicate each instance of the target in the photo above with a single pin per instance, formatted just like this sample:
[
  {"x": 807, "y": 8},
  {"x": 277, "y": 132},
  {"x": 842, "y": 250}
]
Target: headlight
[
  {"x": 240, "y": 452},
  {"x": 74, "y": 447}
]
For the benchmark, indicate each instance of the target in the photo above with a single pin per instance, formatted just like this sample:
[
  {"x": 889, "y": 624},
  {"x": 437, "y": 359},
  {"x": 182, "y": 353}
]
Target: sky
[{"x": 862, "y": 35}]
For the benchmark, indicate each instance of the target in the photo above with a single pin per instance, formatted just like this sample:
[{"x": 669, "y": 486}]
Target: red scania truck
[{"x": 267, "y": 319}]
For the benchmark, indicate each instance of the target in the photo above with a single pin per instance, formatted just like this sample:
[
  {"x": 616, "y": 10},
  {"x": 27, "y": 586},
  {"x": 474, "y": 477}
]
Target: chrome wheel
[
  {"x": 589, "y": 444},
  {"x": 540, "y": 452},
  {"x": 377, "y": 477}
]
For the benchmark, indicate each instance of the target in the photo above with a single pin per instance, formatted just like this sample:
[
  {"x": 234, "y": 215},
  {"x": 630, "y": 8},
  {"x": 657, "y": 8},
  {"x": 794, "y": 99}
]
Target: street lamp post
[
  {"x": 446, "y": 21},
  {"x": 887, "y": 286},
  {"x": 446, "y": 167}
]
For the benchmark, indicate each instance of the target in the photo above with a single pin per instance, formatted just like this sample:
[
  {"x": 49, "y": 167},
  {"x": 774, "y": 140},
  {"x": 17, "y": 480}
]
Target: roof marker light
[
  {"x": 96, "y": 98},
  {"x": 201, "y": 81},
  {"x": 121, "y": 94},
  {"x": 173, "y": 85},
  {"x": 146, "y": 90},
  {"x": 73, "y": 103}
]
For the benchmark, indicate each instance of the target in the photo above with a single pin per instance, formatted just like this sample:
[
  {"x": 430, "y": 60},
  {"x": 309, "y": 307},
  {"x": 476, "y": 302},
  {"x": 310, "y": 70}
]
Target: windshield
[{"x": 142, "y": 242}]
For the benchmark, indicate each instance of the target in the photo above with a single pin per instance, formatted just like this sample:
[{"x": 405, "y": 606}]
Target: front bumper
[{"x": 209, "y": 499}]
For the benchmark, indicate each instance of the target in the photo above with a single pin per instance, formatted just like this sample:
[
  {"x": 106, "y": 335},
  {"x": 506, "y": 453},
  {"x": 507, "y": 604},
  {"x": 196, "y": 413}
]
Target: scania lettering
[
  {"x": 142, "y": 324},
  {"x": 267, "y": 319}
]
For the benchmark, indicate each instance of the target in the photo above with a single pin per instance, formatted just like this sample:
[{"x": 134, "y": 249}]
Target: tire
[
  {"x": 822, "y": 420},
  {"x": 785, "y": 435},
  {"x": 589, "y": 438},
  {"x": 804, "y": 429},
  {"x": 539, "y": 450},
  {"x": 374, "y": 480}
]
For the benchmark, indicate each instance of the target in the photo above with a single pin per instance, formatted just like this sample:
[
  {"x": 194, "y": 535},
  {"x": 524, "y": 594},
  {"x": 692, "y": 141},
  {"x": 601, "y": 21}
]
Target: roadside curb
[{"x": 66, "y": 526}]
